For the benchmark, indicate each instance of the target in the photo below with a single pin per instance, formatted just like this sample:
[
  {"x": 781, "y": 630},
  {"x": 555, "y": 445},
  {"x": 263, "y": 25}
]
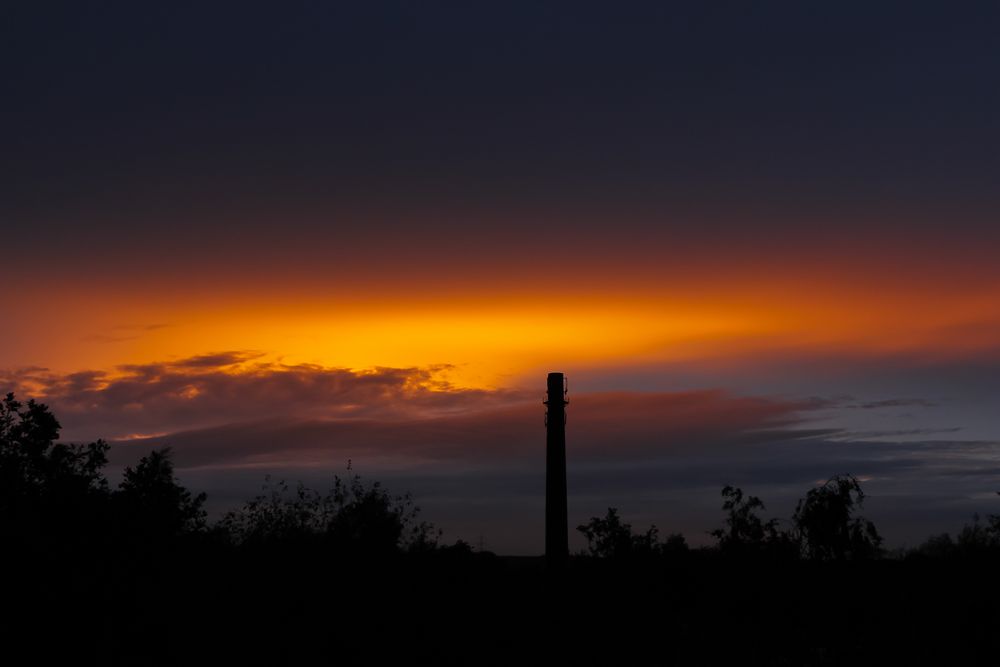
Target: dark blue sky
[{"x": 199, "y": 110}]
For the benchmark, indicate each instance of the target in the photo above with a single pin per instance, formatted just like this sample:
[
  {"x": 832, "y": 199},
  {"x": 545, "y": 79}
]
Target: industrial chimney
[{"x": 556, "y": 530}]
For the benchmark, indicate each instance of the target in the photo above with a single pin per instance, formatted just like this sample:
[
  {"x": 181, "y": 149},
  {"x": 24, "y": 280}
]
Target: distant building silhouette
[{"x": 556, "y": 529}]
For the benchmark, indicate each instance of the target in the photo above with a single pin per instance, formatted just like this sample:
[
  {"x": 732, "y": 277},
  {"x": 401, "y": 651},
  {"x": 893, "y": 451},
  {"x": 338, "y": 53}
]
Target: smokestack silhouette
[{"x": 556, "y": 529}]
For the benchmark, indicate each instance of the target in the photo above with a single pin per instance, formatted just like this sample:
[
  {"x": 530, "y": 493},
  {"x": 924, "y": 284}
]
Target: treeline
[
  {"x": 53, "y": 493},
  {"x": 825, "y": 527}
]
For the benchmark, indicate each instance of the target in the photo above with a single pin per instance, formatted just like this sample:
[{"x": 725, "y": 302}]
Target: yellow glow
[
  {"x": 484, "y": 344},
  {"x": 493, "y": 339}
]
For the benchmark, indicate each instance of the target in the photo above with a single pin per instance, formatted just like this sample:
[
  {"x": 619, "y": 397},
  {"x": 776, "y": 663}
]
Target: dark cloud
[
  {"x": 605, "y": 428},
  {"x": 897, "y": 433},
  {"x": 895, "y": 403},
  {"x": 216, "y": 360}
]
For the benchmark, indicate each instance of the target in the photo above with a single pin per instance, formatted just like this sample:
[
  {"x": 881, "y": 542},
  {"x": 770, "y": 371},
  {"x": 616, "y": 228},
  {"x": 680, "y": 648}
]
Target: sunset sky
[{"x": 759, "y": 238}]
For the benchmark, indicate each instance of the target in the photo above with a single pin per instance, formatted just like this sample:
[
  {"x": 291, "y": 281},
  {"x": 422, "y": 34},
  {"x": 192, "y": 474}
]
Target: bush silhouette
[
  {"x": 368, "y": 520},
  {"x": 611, "y": 538},
  {"x": 352, "y": 517}
]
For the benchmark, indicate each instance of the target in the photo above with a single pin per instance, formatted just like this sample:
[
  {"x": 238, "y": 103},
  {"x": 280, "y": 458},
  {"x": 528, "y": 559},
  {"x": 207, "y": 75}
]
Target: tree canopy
[
  {"x": 828, "y": 525},
  {"x": 154, "y": 503},
  {"x": 46, "y": 488}
]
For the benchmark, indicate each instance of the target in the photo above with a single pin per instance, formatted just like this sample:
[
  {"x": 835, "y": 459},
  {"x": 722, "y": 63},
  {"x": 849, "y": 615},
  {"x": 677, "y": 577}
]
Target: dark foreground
[
  {"x": 136, "y": 575},
  {"x": 195, "y": 603}
]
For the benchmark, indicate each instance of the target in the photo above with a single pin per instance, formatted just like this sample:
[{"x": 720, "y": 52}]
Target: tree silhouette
[
  {"x": 153, "y": 504},
  {"x": 978, "y": 538},
  {"x": 611, "y": 538},
  {"x": 675, "y": 544},
  {"x": 827, "y": 526},
  {"x": 368, "y": 520},
  {"x": 744, "y": 530},
  {"x": 46, "y": 487}
]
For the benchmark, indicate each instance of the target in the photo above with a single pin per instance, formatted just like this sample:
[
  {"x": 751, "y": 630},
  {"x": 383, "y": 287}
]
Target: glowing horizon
[{"x": 495, "y": 336}]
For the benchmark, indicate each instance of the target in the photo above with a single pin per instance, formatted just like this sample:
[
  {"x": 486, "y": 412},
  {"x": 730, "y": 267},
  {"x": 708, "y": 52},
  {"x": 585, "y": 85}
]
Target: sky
[{"x": 759, "y": 238}]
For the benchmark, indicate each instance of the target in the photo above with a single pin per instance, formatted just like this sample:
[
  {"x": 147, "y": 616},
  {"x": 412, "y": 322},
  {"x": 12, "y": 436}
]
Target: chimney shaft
[{"x": 556, "y": 529}]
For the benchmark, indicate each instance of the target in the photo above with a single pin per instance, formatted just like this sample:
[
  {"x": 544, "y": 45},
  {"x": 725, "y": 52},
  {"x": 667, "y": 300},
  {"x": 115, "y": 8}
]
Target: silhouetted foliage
[
  {"x": 979, "y": 536},
  {"x": 744, "y": 531},
  {"x": 936, "y": 546},
  {"x": 674, "y": 544},
  {"x": 369, "y": 520},
  {"x": 353, "y": 517},
  {"x": 976, "y": 540},
  {"x": 152, "y": 503},
  {"x": 31, "y": 461},
  {"x": 277, "y": 515},
  {"x": 46, "y": 486},
  {"x": 611, "y": 538},
  {"x": 827, "y": 526}
]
